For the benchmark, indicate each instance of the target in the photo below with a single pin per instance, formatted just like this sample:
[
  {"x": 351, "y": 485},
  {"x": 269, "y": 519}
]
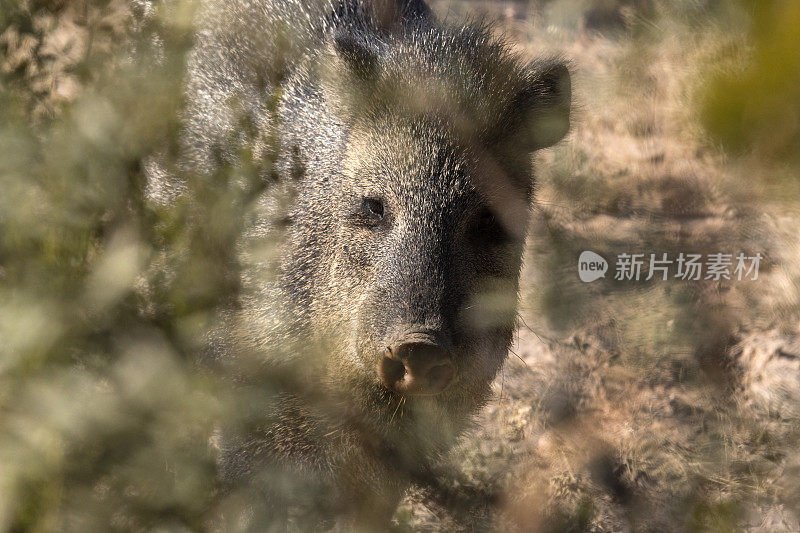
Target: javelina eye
[
  {"x": 369, "y": 213},
  {"x": 487, "y": 229},
  {"x": 374, "y": 207}
]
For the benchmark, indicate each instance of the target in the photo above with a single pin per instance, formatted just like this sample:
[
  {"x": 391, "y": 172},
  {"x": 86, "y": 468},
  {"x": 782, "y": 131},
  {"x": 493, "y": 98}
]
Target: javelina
[{"x": 408, "y": 142}]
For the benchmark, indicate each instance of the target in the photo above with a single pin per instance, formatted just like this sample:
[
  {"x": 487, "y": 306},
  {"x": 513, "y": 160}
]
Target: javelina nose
[{"x": 416, "y": 368}]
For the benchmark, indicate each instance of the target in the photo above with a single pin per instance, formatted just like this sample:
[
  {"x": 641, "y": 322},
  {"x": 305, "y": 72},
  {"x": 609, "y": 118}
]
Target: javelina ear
[
  {"x": 383, "y": 15},
  {"x": 539, "y": 115},
  {"x": 350, "y": 74},
  {"x": 357, "y": 56}
]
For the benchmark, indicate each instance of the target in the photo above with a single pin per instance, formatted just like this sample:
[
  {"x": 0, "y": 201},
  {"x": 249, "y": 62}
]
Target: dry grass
[{"x": 645, "y": 406}]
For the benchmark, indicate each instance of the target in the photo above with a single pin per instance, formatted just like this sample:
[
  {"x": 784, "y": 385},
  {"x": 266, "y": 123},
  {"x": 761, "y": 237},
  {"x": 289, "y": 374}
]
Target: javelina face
[
  {"x": 411, "y": 216},
  {"x": 425, "y": 264}
]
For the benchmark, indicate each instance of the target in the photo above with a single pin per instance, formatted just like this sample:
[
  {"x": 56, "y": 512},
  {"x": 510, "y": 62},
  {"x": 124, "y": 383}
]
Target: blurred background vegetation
[
  {"x": 649, "y": 406},
  {"x": 105, "y": 298}
]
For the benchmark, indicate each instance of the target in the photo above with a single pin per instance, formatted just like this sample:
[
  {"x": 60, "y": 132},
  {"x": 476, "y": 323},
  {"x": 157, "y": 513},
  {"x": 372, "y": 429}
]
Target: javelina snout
[{"x": 417, "y": 365}]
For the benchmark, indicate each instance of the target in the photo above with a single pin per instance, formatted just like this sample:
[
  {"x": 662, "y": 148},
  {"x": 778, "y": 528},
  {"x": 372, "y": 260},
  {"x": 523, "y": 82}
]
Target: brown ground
[{"x": 663, "y": 406}]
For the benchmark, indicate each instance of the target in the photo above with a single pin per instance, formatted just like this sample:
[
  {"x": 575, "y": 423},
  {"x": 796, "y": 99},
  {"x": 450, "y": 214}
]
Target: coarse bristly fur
[{"x": 406, "y": 145}]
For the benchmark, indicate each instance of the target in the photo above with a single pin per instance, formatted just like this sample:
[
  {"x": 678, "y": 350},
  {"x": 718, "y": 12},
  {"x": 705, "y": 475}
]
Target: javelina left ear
[
  {"x": 358, "y": 57},
  {"x": 350, "y": 74},
  {"x": 538, "y": 115}
]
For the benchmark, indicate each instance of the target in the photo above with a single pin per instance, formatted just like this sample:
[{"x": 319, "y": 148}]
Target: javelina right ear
[{"x": 538, "y": 116}]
